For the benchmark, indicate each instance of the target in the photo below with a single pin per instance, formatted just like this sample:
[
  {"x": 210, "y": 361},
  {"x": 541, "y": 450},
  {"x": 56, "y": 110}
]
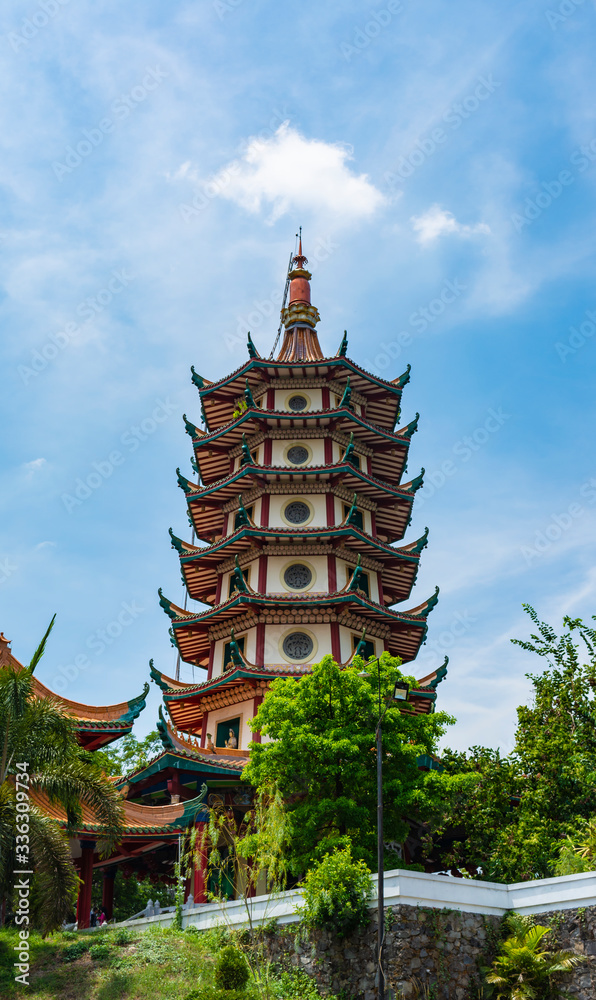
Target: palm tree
[
  {"x": 41, "y": 735},
  {"x": 524, "y": 969}
]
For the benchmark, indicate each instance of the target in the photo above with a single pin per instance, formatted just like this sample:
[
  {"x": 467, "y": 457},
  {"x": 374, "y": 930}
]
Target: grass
[{"x": 159, "y": 964}]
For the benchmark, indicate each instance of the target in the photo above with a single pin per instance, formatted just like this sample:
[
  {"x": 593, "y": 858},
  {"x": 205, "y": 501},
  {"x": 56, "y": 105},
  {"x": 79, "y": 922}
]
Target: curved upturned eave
[
  {"x": 335, "y": 362},
  {"x": 196, "y": 494}
]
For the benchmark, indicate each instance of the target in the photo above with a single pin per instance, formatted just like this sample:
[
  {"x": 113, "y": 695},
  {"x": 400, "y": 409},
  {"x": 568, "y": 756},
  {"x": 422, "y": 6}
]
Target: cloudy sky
[{"x": 156, "y": 162}]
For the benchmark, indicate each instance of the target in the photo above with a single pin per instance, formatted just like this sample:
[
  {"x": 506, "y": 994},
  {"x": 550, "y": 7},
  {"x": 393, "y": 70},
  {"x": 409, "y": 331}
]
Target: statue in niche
[{"x": 232, "y": 742}]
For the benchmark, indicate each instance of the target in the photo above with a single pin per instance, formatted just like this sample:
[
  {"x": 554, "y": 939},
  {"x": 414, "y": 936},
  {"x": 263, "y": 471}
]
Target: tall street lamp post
[{"x": 400, "y": 693}]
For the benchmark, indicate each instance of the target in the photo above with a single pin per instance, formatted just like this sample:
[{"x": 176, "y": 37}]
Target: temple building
[
  {"x": 298, "y": 502},
  {"x": 298, "y": 514}
]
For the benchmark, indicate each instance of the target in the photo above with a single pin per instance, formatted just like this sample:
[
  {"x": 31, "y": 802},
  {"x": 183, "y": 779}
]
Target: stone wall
[{"x": 429, "y": 953}]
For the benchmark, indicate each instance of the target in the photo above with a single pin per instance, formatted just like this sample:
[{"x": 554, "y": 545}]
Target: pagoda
[{"x": 295, "y": 516}]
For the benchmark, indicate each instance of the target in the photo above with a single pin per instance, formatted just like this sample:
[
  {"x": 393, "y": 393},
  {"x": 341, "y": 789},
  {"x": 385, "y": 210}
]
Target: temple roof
[
  {"x": 96, "y": 725},
  {"x": 201, "y": 567},
  {"x": 138, "y": 819},
  {"x": 186, "y": 705},
  {"x": 383, "y": 398},
  {"x": 393, "y": 503},
  {"x": 218, "y": 764},
  {"x": 389, "y": 448},
  {"x": 406, "y": 629}
]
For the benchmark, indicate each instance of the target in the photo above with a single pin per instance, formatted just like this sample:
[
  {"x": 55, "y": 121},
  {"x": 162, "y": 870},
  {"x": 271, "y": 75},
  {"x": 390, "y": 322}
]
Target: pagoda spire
[{"x": 300, "y": 317}]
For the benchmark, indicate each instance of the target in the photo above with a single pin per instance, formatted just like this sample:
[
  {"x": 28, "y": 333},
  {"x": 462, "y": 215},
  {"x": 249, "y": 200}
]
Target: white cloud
[
  {"x": 289, "y": 172},
  {"x": 437, "y": 221},
  {"x": 32, "y": 467}
]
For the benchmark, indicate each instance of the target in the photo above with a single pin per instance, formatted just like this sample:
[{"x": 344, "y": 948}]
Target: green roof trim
[
  {"x": 157, "y": 676},
  {"x": 191, "y": 429},
  {"x": 177, "y": 543},
  {"x": 166, "y": 604},
  {"x": 162, "y": 729},
  {"x": 196, "y": 379},
  {"x": 411, "y": 428},
  {"x": 178, "y": 759},
  {"x": 252, "y": 351},
  {"x": 403, "y": 379},
  {"x": 184, "y": 483},
  {"x": 136, "y": 705},
  {"x": 336, "y": 362}
]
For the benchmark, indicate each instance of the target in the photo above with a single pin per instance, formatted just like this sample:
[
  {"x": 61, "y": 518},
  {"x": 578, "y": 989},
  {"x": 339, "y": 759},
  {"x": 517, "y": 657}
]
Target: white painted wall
[
  {"x": 244, "y": 709},
  {"x": 345, "y": 641},
  {"x": 344, "y": 573},
  {"x": 314, "y": 398},
  {"x": 276, "y": 566},
  {"x": 315, "y": 445},
  {"x": 250, "y": 649},
  {"x": 316, "y": 500},
  {"x": 275, "y": 633},
  {"x": 412, "y": 889}
]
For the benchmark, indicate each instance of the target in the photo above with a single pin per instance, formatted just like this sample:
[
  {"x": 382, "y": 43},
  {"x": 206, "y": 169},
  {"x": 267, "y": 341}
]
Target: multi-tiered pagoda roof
[{"x": 298, "y": 515}]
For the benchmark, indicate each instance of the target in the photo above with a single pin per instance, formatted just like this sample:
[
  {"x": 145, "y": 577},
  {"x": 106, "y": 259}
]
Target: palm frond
[
  {"x": 57, "y": 879},
  {"x": 41, "y": 648}
]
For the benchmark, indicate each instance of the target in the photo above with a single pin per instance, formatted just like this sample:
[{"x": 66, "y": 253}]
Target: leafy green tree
[
  {"x": 322, "y": 757},
  {"x": 524, "y": 969},
  {"x": 336, "y": 894},
  {"x": 38, "y": 735},
  {"x": 508, "y": 816},
  {"x": 129, "y": 753}
]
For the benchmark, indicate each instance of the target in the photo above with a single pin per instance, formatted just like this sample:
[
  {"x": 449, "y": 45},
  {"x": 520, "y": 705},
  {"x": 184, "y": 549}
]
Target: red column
[
  {"x": 260, "y": 652},
  {"x": 335, "y": 642},
  {"x": 330, "y": 501},
  {"x": 258, "y": 698},
  {"x": 265, "y": 510},
  {"x": 328, "y": 446},
  {"x": 325, "y": 398},
  {"x": 86, "y": 874},
  {"x": 262, "y": 578},
  {"x": 270, "y": 399},
  {"x": 332, "y": 573},
  {"x": 267, "y": 451},
  {"x": 107, "y": 894},
  {"x": 200, "y": 872}
]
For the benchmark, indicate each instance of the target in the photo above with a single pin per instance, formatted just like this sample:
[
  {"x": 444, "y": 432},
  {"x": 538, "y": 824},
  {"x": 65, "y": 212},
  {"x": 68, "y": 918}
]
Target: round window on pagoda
[
  {"x": 297, "y": 512},
  {"x": 298, "y": 646},
  {"x": 298, "y": 576},
  {"x": 298, "y": 454},
  {"x": 297, "y": 403}
]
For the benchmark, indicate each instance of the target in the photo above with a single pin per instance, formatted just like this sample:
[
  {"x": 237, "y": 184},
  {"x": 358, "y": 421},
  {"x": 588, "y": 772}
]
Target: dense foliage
[
  {"x": 509, "y": 817},
  {"x": 524, "y": 969},
  {"x": 129, "y": 753},
  {"x": 231, "y": 969},
  {"x": 40, "y": 753},
  {"x": 323, "y": 759},
  {"x": 336, "y": 893}
]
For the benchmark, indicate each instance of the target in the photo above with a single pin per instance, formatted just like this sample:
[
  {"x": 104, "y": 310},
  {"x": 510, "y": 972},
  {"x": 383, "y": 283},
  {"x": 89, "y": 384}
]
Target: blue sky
[{"x": 157, "y": 160}]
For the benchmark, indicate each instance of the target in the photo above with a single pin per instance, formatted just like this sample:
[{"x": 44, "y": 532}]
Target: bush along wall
[{"x": 430, "y": 954}]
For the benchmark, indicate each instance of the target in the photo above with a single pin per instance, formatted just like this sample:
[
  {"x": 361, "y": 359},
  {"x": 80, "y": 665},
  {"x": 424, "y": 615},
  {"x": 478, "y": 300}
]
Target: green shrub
[
  {"x": 74, "y": 951},
  {"x": 295, "y": 985},
  {"x": 336, "y": 893},
  {"x": 98, "y": 951},
  {"x": 231, "y": 970},
  {"x": 70, "y": 935},
  {"x": 123, "y": 937}
]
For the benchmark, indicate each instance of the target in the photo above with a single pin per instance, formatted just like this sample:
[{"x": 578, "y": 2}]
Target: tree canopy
[
  {"x": 322, "y": 757},
  {"x": 509, "y": 816}
]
